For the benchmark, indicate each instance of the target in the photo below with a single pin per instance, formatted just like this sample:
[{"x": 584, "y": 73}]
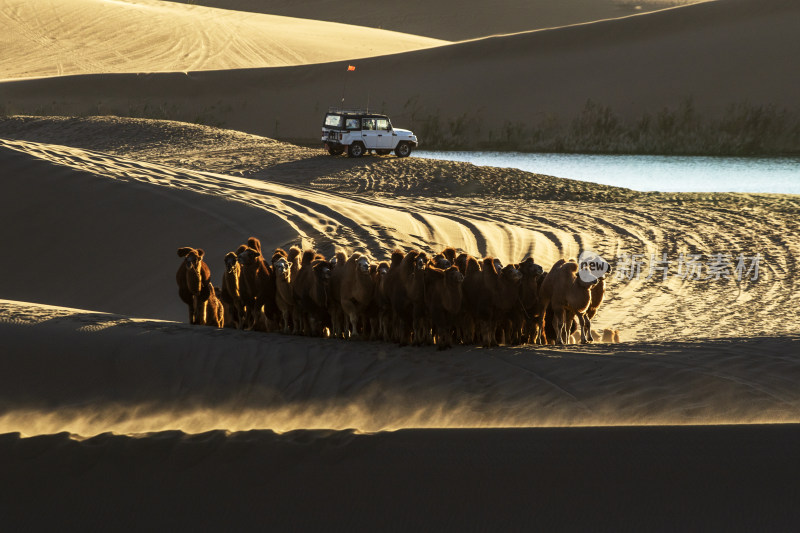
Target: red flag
[{"x": 350, "y": 68}]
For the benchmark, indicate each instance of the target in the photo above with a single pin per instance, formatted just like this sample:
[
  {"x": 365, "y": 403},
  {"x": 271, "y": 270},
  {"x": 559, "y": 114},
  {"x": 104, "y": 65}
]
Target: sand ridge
[
  {"x": 450, "y": 19},
  {"x": 160, "y": 375},
  {"x": 59, "y": 37}
]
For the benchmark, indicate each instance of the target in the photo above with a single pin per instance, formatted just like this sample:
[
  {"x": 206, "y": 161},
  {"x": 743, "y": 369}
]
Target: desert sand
[
  {"x": 215, "y": 188},
  {"x": 737, "y": 478},
  {"x": 69, "y": 37},
  {"x": 452, "y": 20},
  {"x": 102, "y": 347},
  {"x": 483, "y": 91},
  {"x": 115, "y": 413}
]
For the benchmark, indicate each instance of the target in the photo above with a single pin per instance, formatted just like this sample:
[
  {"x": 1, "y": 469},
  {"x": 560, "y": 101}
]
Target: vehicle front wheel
[
  {"x": 403, "y": 150},
  {"x": 339, "y": 150},
  {"x": 355, "y": 150}
]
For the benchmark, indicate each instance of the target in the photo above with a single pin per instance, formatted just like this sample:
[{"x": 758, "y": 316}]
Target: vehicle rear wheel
[
  {"x": 382, "y": 152},
  {"x": 403, "y": 150},
  {"x": 339, "y": 150},
  {"x": 355, "y": 150}
]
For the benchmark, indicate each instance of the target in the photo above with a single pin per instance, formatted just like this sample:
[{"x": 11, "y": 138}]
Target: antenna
[{"x": 350, "y": 68}]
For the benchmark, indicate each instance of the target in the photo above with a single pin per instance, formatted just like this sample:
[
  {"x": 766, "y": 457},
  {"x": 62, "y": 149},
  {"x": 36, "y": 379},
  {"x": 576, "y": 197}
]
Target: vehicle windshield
[{"x": 333, "y": 121}]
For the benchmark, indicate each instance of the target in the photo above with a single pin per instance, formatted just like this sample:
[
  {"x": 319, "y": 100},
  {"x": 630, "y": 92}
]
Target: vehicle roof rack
[{"x": 349, "y": 111}]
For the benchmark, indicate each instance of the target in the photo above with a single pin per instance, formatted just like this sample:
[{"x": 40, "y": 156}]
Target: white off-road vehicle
[{"x": 358, "y": 131}]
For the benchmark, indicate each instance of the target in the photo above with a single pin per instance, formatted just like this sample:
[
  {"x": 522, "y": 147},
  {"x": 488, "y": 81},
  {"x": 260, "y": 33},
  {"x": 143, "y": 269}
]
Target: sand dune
[
  {"x": 162, "y": 403},
  {"x": 65, "y": 37},
  {"x": 287, "y": 195},
  {"x": 600, "y": 479},
  {"x": 123, "y": 221},
  {"x": 87, "y": 373},
  {"x": 369, "y": 435},
  {"x": 452, "y": 20},
  {"x": 716, "y": 54}
]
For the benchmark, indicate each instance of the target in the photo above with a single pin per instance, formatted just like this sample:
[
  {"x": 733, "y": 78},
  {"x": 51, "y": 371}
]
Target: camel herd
[{"x": 414, "y": 298}]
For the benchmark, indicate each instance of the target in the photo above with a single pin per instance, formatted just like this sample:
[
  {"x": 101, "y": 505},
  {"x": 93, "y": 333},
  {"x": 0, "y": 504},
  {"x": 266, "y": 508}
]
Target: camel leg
[
  {"x": 203, "y": 314},
  {"x": 537, "y": 336},
  {"x": 199, "y": 312},
  {"x": 558, "y": 319},
  {"x": 569, "y": 320},
  {"x": 239, "y": 320},
  {"x": 488, "y": 334},
  {"x": 502, "y": 337},
  {"x": 558, "y": 325},
  {"x": 353, "y": 318},
  {"x": 249, "y": 321},
  {"x": 218, "y": 315},
  {"x": 297, "y": 319},
  {"x": 538, "y": 330},
  {"x": 442, "y": 338},
  {"x": 336, "y": 324},
  {"x": 586, "y": 329},
  {"x": 405, "y": 333},
  {"x": 285, "y": 320},
  {"x": 588, "y": 322}
]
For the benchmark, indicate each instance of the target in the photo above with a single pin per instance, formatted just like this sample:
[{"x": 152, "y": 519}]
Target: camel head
[
  {"x": 419, "y": 262},
  {"x": 450, "y": 254},
  {"x": 363, "y": 265},
  {"x": 397, "y": 256},
  {"x": 283, "y": 269},
  {"x": 248, "y": 256},
  {"x": 441, "y": 262},
  {"x": 231, "y": 263},
  {"x": 277, "y": 254},
  {"x": 193, "y": 259},
  {"x": 530, "y": 269},
  {"x": 322, "y": 269},
  {"x": 383, "y": 269},
  {"x": 453, "y": 275},
  {"x": 510, "y": 273},
  {"x": 498, "y": 266}
]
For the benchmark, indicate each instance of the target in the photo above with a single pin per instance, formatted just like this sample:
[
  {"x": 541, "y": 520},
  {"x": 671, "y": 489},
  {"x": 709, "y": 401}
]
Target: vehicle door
[
  {"x": 352, "y": 130},
  {"x": 369, "y": 133},
  {"x": 385, "y": 139}
]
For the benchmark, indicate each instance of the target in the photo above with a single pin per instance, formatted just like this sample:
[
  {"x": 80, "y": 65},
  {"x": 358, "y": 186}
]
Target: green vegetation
[{"x": 743, "y": 129}]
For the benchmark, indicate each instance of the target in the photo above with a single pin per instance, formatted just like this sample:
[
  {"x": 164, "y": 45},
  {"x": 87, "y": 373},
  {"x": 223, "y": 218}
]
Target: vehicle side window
[
  {"x": 367, "y": 123},
  {"x": 383, "y": 124},
  {"x": 352, "y": 124},
  {"x": 333, "y": 121}
]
